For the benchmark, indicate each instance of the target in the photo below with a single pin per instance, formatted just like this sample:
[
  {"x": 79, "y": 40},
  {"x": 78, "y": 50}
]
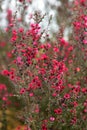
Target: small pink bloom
[
  {"x": 19, "y": 60},
  {"x": 56, "y": 49},
  {"x": 85, "y": 24},
  {"x": 75, "y": 104},
  {"x": 67, "y": 96},
  {"x": 85, "y": 41},
  {"x": 37, "y": 109},
  {"x": 52, "y": 118},
  {"x": 3, "y": 87},
  {"x": 77, "y": 25},
  {"x": 85, "y": 104},
  {"x": 21, "y": 30},
  {"x": 84, "y": 90},
  {"x": 35, "y": 43},
  {"x": 4, "y": 99},
  {"x": 5, "y": 72},
  {"x": 22, "y": 91},
  {"x": 74, "y": 120},
  {"x": 31, "y": 94},
  {"x": 54, "y": 94},
  {"x": 85, "y": 18},
  {"x": 77, "y": 69},
  {"x": 76, "y": 3},
  {"x": 85, "y": 110}
]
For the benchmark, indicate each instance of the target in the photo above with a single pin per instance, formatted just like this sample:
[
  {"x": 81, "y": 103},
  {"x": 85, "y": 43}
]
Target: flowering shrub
[
  {"x": 48, "y": 77},
  {"x": 3, "y": 92}
]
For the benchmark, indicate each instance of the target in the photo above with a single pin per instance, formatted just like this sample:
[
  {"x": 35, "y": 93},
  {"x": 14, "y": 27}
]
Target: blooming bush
[{"x": 50, "y": 78}]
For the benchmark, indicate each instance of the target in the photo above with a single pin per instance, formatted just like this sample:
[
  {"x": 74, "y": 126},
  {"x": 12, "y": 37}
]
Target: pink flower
[
  {"x": 85, "y": 24},
  {"x": 85, "y": 41},
  {"x": 75, "y": 104},
  {"x": 35, "y": 43},
  {"x": 76, "y": 3},
  {"x": 85, "y": 110},
  {"x": 67, "y": 96},
  {"x": 14, "y": 38},
  {"x": 77, "y": 69},
  {"x": 77, "y": 25},
  {"x": 52, "y": 118},
  {"x": 63, "y": 42},
  {"x": 21, "y": 30},
  {"x": 5, "y": 72},
  {"x": 3, "y": 87},
  {"x": 82, "y": 2},
  {"x": 84, "y": 90},
  {"x": 31, "y": 94},
  {"x": 54, "y": 94},
  {"x": 4, "y": 98},
  {"x": 85, "y": 104},
  {"x": 19, "y": 60},
  {"x": 56, "y": 49},
  {"x": 85, "y": 18},
  {"x": 22, "y": 90},
  {"x": 37, "y": 109},
  {"x": 74, "y": 120}
]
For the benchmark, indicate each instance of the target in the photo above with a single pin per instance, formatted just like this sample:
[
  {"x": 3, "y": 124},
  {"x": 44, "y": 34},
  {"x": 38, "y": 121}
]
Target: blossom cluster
[{"x": 50, "y": 78}]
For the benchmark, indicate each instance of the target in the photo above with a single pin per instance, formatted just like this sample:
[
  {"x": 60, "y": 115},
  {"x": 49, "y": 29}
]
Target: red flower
[
  {"x": 67, "y": 96},
  {"x": 84, "y": 90},
  {"x": 44, "y": 127},
  {"x": 58, "y": 111},
  {"x": 22, "y": 91},
  {"x": 75, "y": 104},
  {"x": 5, "y": 72},
  {"x": 74, "y": 120}
]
